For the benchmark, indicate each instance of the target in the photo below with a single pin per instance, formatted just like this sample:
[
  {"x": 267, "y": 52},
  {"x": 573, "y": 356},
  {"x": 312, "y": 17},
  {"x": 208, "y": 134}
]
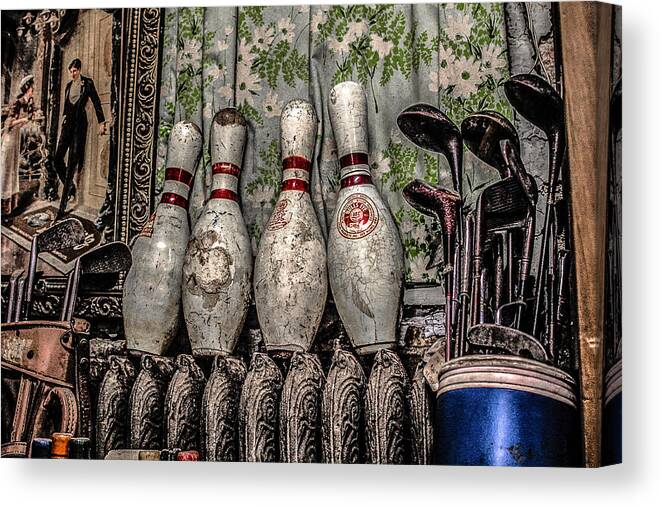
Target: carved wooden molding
[
  {"x": 112, "y": 414},
  {"x": 258, "y": 410},
  {"x": 300, "y": 410},
  {"x": 342, "y": 410},
  {"x": 422, "y": 430},
  {"x": 147, "y": 402},
  {"x": 386, "y": 410},
  {"x": 182, "y": 405},
  {"x": 220, "y": 410},
  {"x": 138, "y": 121}
]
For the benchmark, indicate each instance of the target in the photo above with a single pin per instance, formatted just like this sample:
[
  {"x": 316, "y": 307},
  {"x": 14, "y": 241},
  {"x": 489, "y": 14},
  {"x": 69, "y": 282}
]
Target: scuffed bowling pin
[
  {"x": 218, "y": 261},
  {"x": 365, "y": 257},
  {"x": 291, "y": 282},
  {"x": 152, "y": 289}
]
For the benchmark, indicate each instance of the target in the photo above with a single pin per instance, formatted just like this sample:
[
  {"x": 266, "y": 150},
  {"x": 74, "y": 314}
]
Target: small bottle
[
  {"x": 149, "y": 455},
  {"x": 188, "y": 456},
  {"x": 60, "y": 447},
  {"x": 79, "y": 448},
  {"x": 40, "y": 448},
  {"x": 169, "y": 454}
]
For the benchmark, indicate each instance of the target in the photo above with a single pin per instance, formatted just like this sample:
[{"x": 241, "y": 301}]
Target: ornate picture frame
[{"x": 129, "y": 196}]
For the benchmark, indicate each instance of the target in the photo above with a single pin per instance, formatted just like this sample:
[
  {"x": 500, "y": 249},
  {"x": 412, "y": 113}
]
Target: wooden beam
[{"x": 585, "y": 29}]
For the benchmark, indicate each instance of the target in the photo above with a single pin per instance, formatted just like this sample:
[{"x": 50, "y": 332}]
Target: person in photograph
[
  {"x": 18, "y": 114},
  {"x": 73, "y": 132}
]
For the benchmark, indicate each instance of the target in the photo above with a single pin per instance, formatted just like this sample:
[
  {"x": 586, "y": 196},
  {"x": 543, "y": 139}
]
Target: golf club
[
  {"x": 444, "y": 205},
  {"x": 538, "y": 102}
]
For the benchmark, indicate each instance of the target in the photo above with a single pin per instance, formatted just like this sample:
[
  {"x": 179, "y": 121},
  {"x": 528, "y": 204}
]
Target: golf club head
[
  {"x": 503, "y": 204},
  {"x": 61, "y": 235},
  {"x": 537, "y": 101},
  {"x": 497, "y": 339},
  {"x": 440, "y": 203},
  {"x": 430, "y": 129},
  {"x": 437, "y": 202},
  {"x": 514, "y": 162},
  {"x": 100, "y": 268},
  {"x": 112, "y": 257},
  {"x": 483, "y": 133}
]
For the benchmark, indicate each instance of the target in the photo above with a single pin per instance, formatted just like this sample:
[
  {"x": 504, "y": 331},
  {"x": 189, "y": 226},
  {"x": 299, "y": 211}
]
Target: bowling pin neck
[
  {"x": 176, "y": 187},
  {"x": 354, "y": 170},
  {"x": 296, "y": 174},
  {"x": 225, "y": 183}
]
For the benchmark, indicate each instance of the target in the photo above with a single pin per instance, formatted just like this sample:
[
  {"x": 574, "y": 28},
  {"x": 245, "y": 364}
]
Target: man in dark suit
[{"x": 73, "y": 134}]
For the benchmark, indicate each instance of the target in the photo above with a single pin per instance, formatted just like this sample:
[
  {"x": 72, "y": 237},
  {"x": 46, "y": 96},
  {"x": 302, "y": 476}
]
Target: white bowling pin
[
  {"x": 291, "y": 282},
  {"x": 152, "y": 289},
  {"x": 365, "y": 257},
  {"x": 218, "y": 261}
]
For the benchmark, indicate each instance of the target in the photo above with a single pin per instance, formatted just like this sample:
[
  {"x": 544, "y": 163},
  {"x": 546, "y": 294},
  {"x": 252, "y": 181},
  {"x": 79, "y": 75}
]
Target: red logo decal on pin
[
  {"x": 280, "y": 217},
  {"x": 358, "y": 217},
  {"x": 148, "y": 229}
]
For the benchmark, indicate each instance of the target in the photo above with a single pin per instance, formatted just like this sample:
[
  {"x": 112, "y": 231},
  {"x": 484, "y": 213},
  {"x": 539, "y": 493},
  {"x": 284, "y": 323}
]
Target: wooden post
[{"x": 585, "y": 29}]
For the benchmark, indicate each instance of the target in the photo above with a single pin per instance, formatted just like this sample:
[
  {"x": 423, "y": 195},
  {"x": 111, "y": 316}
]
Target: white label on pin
[{"x": 358, "y": 217}]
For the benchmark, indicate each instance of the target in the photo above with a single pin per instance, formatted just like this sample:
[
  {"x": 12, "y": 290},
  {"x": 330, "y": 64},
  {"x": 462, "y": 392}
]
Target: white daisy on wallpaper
[
  {"x": 271, "y": 106},
  {"x": 380, "y": 165},
  {"x": 286, "y": 29},
  {"x": 247, "y": 84},
  {"x": 492, "y": 60},
  {"x": 467, "y": 77},
  {"x": 458, "y": 25},
  {"x": 216, "y": 72},
  {"x": 381, "y": 46},
  {"x": 226, "y": 91},
  {"x": 263, "y": 37},
  {"x": 318, "y": 18},
  {"x": 356, "y": 30},
  {"x": 339, "y": 46}
]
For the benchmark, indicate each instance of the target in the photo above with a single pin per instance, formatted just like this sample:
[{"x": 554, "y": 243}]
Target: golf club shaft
[{"x": 556, "y": 157}]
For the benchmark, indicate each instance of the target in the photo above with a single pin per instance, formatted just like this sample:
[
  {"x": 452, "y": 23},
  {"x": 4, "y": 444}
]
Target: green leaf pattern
[{"x": 257, "y": 58}]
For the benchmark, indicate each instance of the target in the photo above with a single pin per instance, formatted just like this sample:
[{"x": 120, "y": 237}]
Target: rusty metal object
[
  {"x": 342, "y": 410},
  {"x": 497, "y": 339},
  {"x": 63, "y": 234},
  {"x": 147, "y": 402},
  {"x": 258, "y": 410},
  {"x": 41, "y": 349},
  {"x": 182, "y": 404},
  {"x": 300, "y": 410},
  {"x": 422, "y": 430},
  {"x": 386, "y": 411},
  {"x": 112, "y": 415},
  {"x": 219, "y": 424}
]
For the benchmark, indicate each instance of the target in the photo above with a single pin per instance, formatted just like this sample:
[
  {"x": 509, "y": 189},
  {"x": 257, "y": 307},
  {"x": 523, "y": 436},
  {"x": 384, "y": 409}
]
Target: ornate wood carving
[
  {"x": 220, "y": 410},
  {"x": 147, "y": 402},
  {"x": 138, "y": 99},
  {"x": 342, "y": 410},
  {"x": 300, "y": 410},
  {"x": 182, "y": 405},
  {"x": 112, "y": 415},
  {"x": 258, "y": 410},
  {"x": 386, "y": 410},
  {"x": 422, "y": 431}
]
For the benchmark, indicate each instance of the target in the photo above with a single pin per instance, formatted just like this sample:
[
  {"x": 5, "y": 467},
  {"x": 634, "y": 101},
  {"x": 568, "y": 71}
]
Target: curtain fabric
[{"x": 257, "y": 58}]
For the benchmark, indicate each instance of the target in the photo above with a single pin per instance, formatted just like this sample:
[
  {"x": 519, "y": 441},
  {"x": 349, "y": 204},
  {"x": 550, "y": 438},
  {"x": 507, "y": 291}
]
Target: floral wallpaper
[{"x": 258, "y": 58}]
